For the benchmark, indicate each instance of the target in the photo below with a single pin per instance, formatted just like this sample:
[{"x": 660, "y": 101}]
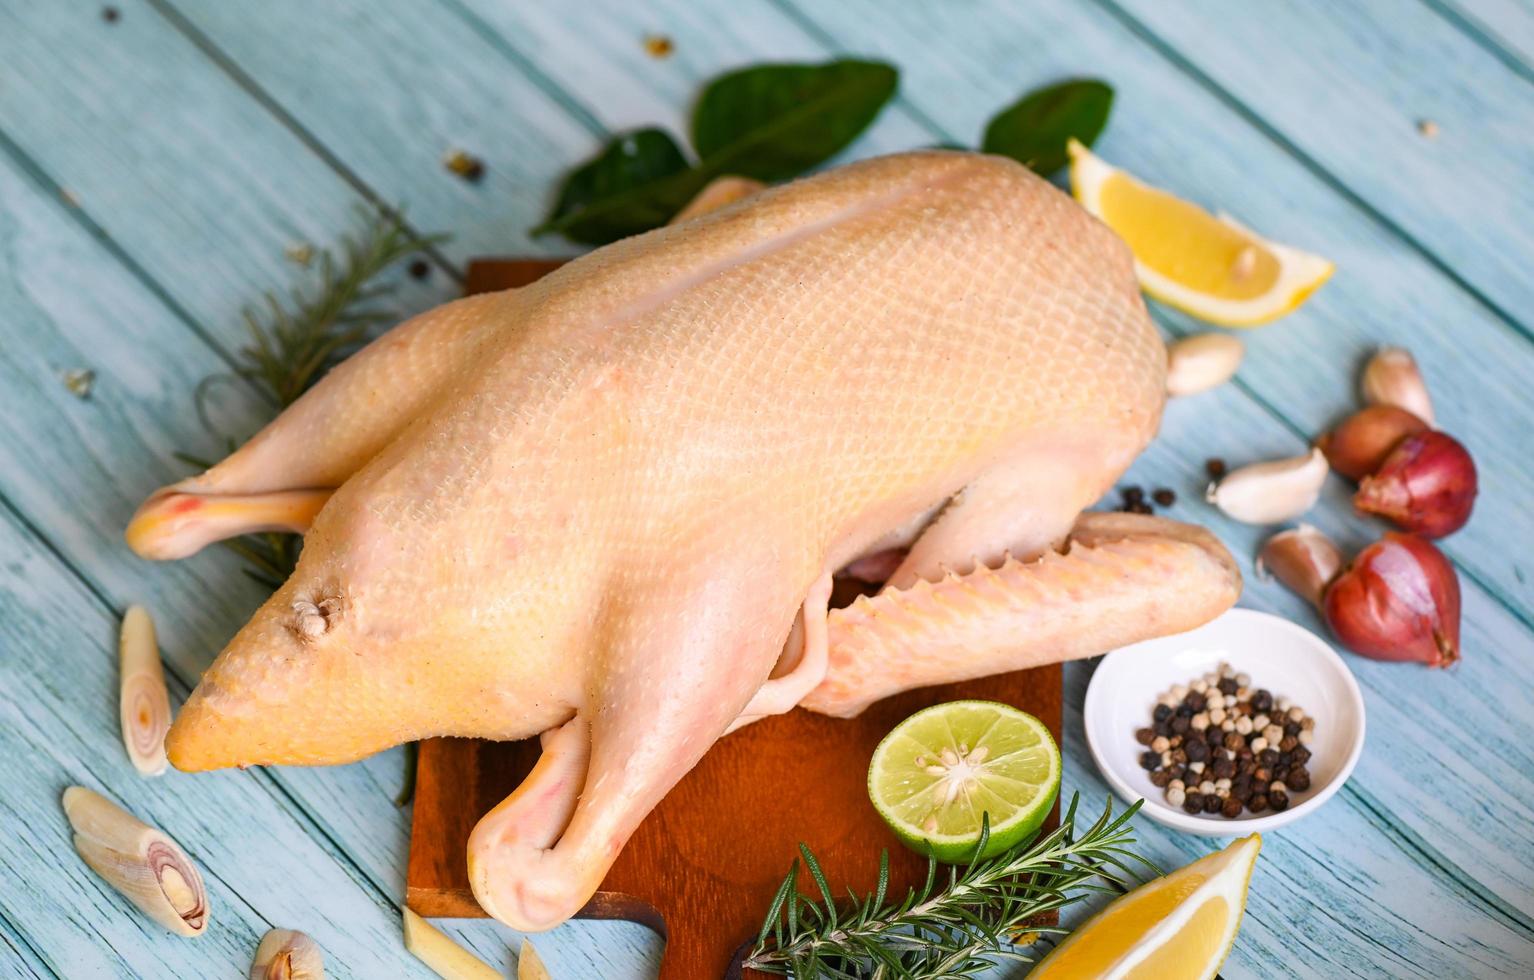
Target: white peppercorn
[
  {"x": 1200, "y": 721},
  {"x": 1244, "y": 725},
  {"x": 1206, "y": 787},
  {"x": 1175, "y": 795},
  {"x": 1259, "y": 743},
  {"x": 1160, "y": 744}
]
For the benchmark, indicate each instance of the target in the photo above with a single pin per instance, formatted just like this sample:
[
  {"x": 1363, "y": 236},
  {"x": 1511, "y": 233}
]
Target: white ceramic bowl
[{"x": 1286, "y": 659}]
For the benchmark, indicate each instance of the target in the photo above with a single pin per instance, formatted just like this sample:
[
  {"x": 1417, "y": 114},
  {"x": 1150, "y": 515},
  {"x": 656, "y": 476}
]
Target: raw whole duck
[{"x": 607, "y": 507}]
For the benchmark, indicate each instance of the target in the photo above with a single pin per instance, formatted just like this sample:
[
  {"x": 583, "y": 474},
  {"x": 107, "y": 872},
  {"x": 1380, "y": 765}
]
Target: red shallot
[
  {"x": 1398, "y": 600},
  {"x": 1427, "y": 485}
]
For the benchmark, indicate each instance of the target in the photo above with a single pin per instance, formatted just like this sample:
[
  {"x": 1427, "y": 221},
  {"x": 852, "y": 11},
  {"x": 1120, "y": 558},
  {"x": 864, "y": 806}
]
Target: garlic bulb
[
  {"x": 1391, "y": 378},
  {"x": 432, "y": 946},
  {"x": 1272, "y": 492},
  {"x": 1201, "y": 362},
  {"x": 285, "y": 954},
  {"x": 147, "y": 867},
  {"x": 143, "y": 704}
]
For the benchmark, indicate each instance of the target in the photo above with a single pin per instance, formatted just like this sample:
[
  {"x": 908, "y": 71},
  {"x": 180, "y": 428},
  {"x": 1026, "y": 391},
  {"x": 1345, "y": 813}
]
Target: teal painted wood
[
  {"x": 1503, "y": 27},
  {"x": 1391, "y": 839},
  {"x": 1348, "y": 87}
]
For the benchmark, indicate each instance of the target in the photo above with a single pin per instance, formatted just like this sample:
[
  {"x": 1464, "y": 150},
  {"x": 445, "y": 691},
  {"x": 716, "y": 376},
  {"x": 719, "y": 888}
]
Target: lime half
[{"x": 945, "y": 768}]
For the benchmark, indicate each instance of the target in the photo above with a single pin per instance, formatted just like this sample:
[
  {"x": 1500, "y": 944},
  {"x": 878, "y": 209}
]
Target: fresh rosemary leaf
[
  {"x": 1035, "y": 130},
  {"x": 773, "y": 122},
  {"x": 967, "y": 925}
]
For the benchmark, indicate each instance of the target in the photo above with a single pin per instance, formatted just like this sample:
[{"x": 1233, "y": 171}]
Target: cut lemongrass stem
[
  {"x": 530, "y": 964},
  {"x": 286, "y": 954},
  {"x": 451, "y": 961},
  {"x": 143, "y": 703},
  {"x": 141, "y": 862}
]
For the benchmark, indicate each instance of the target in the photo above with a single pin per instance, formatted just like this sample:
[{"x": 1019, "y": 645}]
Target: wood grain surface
[{"x": 155, "y": 168}]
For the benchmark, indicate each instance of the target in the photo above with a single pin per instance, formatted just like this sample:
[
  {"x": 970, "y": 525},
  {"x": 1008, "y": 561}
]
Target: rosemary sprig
[
  {"x": 295, "y": 340},
  {"x": 953, "y": 925}
]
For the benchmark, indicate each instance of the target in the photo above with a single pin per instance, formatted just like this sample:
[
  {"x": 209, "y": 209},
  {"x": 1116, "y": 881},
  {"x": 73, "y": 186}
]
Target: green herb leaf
[
  {"x": 638, "y": 181},
  {"x": 1034, "y": 130},
  {"x": 773, "y": 122}
]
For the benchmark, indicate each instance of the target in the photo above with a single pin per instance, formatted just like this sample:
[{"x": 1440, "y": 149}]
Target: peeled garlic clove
[
  {"x": 1391, "y": 378},
  {"x": 530, "y": 964},
  {"x": 432, "y": 946},
  {"x": 1272, "y": 492},
  {"x": 1302, "y": 558},
  {"x": 1201, "y": 362},
  {"x": 719, "y": 192},
  {"x": 147, "y": 867},
  {"x": 285, "y": 954},
  {"x": 143, "y": 704}
]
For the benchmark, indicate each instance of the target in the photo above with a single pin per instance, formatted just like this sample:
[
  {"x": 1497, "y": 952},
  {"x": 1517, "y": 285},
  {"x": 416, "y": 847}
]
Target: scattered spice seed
[
  {"x": 1428, "y": 128},
  {"x": 1133, "y": 494},
  {"x": 470, "y": 168},
  {"x": 658, "y": 45},
  {"x": 1164, "y": 497},
  {"x": 420, "y": 269},
  {"x": 1203, "y": 766},
  {"x": 1215, "y": 467},
  {"x": 110, "y": 14},
  {"x": 79, "y": 381}
]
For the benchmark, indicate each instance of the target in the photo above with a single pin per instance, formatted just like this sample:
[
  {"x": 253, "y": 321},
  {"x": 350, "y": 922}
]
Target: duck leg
[
  {"x": 1122, "y": 578},
  {"x": 282, "y": 477}
]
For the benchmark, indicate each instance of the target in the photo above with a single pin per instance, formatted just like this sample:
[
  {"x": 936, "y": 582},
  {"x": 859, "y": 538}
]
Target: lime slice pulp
[{"x": 943, "y": 770}]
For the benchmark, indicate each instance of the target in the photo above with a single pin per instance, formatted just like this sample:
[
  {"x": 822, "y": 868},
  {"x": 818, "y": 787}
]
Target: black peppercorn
[
  {"x": 1262, "y": 775},
  {"x": 1278, "y": 800},
  {"x": 420, "y": 269},
  {"x": 1161, "y": 713},
  {"x": 1241, "y": 788},
  {"x": 1234, "y": 741},
  {"x": 1268, "y": 757},
  {"x": 1162, "y": 727},
  {"x": 1262, "y": 701},
  {"x": 1298, "y": 780},
  {"x": 1196, "y": 701},
  {"x": 1299, "y": 756},
  {"x": 1213, "y": 737},
  {"x": 1183, "y": 711},
  {"x": 1214, "y": 466},
  {"x": 1231, "y": 807},
  {"x": 1144, "y": 736},
  {"x": 1228, "y": 685},
  {"x": 1133, "y": 494},
  {"x": 1292, "y": 729},
  {"x": 1288, "y": 744},
  {"x": 1193, "y": 802},
  {"x": 1212, "y": 804},
  {"x": 1223, "y": 768},
  {"x": 1197, "y": 751},
  {"x": 1179, "y": 755},
  {"x": 1180, "y": 725},
  {"x": 1258, "y": 802},
  {"x": 1150, "y": 760},
  {"x": 1164, "y": 496},
  {"x": 1160, "y": 778},
  {"x": 109, "y": 14}
]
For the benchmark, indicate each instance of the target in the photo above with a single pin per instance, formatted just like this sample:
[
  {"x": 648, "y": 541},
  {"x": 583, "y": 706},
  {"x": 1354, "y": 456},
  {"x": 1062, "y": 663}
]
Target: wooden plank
[
  {"x": 57, "y": 727},
  {"x": 224, "y": 202},
  {"x": 1506, "y": 25},
  {"x": 1462, "y": 194}
]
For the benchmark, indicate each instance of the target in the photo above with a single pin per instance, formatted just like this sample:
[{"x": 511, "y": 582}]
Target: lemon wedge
[
  {"x": 1203, "y": 264},
  {"x": 1179, "y": 927}
]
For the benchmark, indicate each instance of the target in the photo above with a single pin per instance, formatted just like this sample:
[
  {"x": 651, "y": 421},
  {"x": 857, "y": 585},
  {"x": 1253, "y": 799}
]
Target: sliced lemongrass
[
  {"x": 1271, "y": 492},
  {"x": 451, "y": 961},
  {"x": 143, "y": 704},
  {"x": 141, "y": 862},
  {"x": 1201, "y": 362},
  {"x": 286, "y": 954},
  {"x": 530, "y": 964}
]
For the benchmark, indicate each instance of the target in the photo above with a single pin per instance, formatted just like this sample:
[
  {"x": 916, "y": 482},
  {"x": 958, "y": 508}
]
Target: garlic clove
[
  {"x": 719, "y": 192},
  {"x": 143, "y": 703},
  {"x": 1271, "y": 492},
  {"x": 1391, "y": 378},
  {"x": 146, "y": 866},
  {"x": 1201, "y": 362},
  {"x": 530, "y": 964},
  {"x": 1303, "y": 559},
  {"x": 286, "y": 954},
  {"x": 451, "y": 961}
]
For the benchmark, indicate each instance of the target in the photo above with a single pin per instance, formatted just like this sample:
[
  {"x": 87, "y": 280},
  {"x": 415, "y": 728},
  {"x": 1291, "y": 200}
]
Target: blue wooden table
[{"x": 157, "y": 167}]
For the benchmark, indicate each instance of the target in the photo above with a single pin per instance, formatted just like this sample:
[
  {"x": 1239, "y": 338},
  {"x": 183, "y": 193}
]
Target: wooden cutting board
[{"x": 704, "y": 865}]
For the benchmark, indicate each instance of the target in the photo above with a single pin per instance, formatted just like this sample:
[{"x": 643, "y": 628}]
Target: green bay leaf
[
  {"x": 637, "y": 182},
  {"x": 773, "y": 122},
  {"x": 1035, "y": 129}
]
